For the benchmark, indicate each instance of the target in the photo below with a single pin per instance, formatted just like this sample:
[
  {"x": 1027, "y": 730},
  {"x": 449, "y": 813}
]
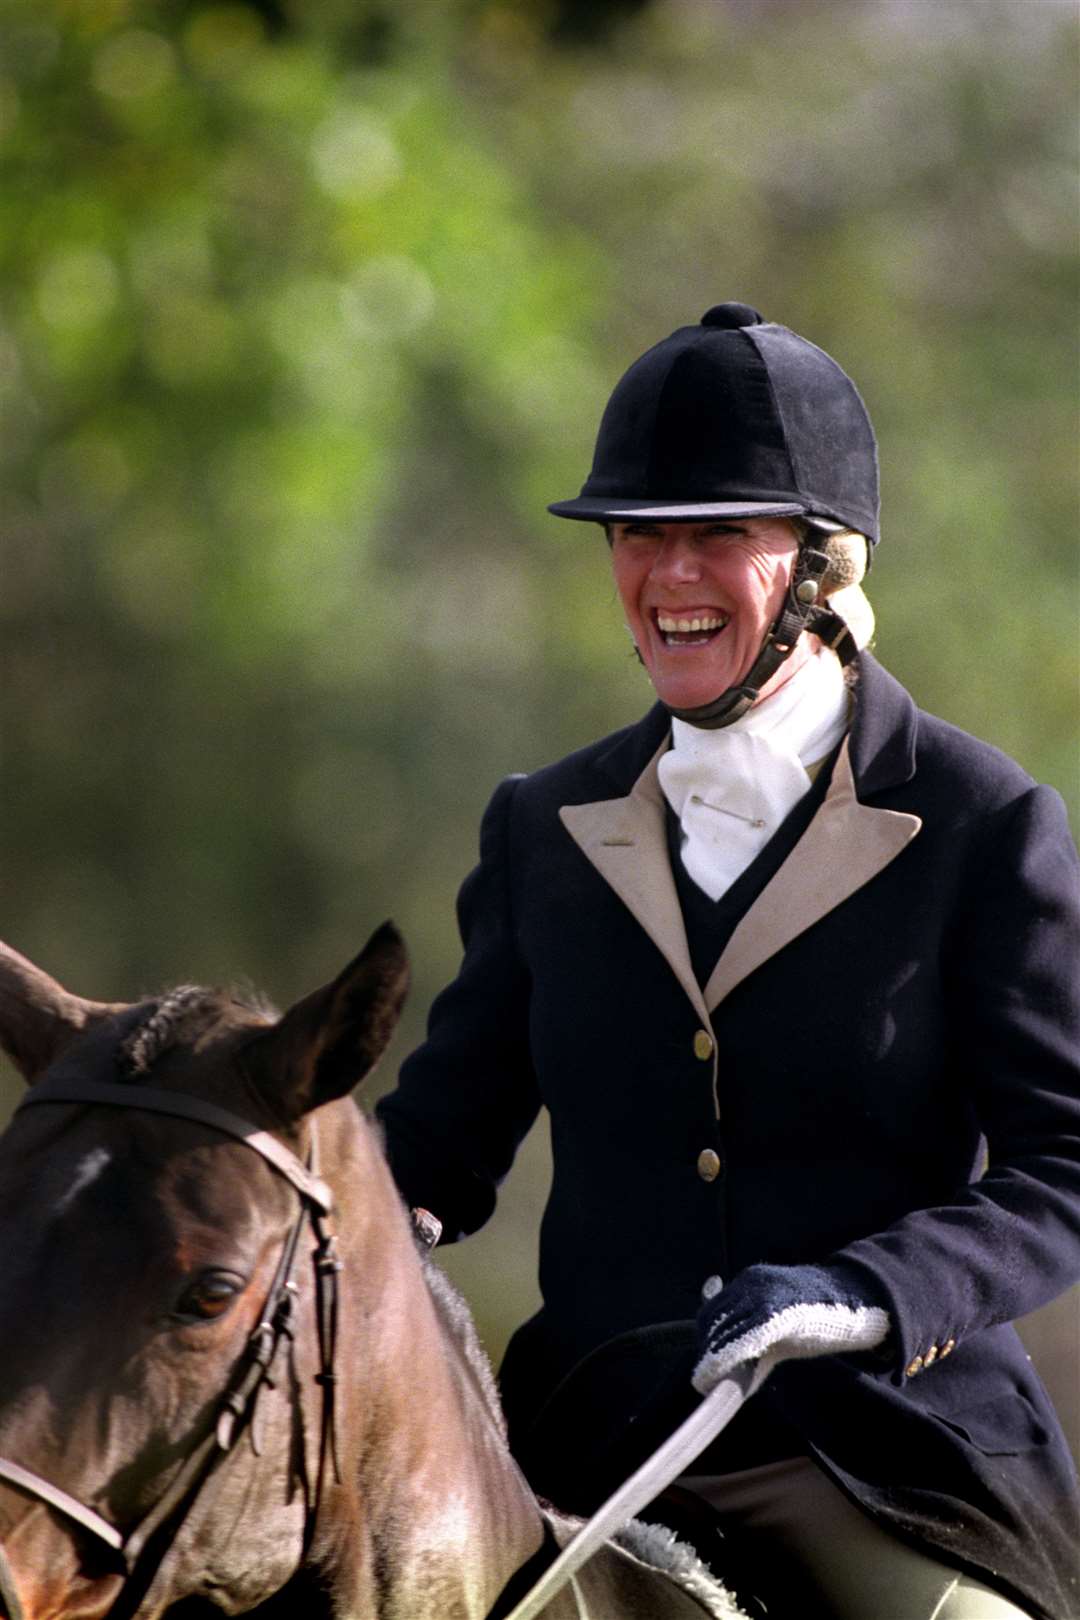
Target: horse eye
[{"x": 209, "y": 1296}]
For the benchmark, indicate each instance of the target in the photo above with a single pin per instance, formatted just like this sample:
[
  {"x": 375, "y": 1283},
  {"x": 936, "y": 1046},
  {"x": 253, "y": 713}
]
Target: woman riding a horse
[{"x": 792, "y": 966}]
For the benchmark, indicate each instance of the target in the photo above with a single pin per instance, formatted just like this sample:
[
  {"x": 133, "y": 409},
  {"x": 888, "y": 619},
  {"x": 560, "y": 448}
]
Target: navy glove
[{"x": 775, "y": 1313}]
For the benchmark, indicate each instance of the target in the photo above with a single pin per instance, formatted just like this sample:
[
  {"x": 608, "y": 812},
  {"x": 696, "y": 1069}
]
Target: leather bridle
[{"x": 142, "y": 1550}]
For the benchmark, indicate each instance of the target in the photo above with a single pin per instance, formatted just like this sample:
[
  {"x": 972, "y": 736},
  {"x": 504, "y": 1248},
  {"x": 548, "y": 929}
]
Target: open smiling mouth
[{"x": 689, "y": 630}]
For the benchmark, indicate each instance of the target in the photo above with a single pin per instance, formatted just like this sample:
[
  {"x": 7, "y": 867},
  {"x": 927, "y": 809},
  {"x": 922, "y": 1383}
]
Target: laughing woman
[{"x": 792, "y": 966}]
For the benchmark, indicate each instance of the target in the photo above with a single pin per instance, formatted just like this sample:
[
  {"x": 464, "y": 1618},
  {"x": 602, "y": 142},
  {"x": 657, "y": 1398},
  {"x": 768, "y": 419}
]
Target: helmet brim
[{"x": 597, "y": 509}]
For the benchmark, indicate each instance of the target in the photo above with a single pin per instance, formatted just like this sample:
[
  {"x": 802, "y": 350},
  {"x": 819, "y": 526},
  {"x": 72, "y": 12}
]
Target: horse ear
[
  {"x": 39, "y": 1019},
  {"x": 328, "y": 1042}
]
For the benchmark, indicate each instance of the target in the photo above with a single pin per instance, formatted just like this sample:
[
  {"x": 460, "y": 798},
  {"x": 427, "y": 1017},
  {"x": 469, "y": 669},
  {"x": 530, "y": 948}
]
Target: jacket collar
[
  {"x": 629, "y": 751},
  {"x": 883, "y": 731},
  {"x": 846, "y": 844}
]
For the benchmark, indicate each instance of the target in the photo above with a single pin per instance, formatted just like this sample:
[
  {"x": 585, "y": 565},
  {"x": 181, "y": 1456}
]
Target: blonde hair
[{"x": 848, "y": 552}]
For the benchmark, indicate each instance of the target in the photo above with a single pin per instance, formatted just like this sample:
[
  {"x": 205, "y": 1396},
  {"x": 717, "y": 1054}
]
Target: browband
[{"x": 114, "y": 1095}]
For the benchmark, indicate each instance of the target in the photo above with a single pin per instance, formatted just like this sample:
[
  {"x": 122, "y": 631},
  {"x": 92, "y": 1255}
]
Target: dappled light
[{"x": 307, "y": 311}]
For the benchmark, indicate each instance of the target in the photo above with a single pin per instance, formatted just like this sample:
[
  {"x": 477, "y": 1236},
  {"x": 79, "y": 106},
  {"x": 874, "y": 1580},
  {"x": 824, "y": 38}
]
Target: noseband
[{"x": 157, "y": 1531}]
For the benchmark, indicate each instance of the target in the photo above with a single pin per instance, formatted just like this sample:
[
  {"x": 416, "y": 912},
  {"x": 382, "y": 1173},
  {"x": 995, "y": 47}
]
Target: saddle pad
[{"x": 647, "y": 1574}]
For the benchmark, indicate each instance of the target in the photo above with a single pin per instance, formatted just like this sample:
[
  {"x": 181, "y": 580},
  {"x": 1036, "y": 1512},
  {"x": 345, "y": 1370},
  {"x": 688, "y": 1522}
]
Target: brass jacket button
[
  {"x": 915, "y": 1365},
  {"x": 930, "y": 1356},
  {"x": 703, "y": 1045},
  {"x": 708, "y": 1164},
  {"x": 948, "y": 1347}
]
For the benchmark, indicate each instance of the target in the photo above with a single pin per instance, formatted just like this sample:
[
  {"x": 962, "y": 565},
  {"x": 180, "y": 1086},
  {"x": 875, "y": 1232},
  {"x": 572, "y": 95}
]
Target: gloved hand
[{"x": 769, "y": 1313}]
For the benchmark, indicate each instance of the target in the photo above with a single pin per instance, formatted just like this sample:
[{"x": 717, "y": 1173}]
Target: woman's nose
[{"x": 677, "y": 561}]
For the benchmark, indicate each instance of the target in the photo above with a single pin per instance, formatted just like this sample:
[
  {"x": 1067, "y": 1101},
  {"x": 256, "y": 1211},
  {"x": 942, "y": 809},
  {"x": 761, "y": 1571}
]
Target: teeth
[{"x": 711, "y": 621}]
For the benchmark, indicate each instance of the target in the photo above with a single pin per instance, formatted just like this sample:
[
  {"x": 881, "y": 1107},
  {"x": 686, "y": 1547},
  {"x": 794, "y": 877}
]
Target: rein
[{"x": 236, "y": 1411}]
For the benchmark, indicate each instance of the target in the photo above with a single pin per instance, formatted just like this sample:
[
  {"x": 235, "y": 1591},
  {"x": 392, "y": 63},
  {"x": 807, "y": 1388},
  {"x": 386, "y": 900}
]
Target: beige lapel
[
  {"x": 845, "y": 845},
  {"x": 625, "y": 840}
]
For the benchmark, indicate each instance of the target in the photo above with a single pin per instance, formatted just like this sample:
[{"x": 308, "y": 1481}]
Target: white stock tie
[{"x": 732, "y": 788}]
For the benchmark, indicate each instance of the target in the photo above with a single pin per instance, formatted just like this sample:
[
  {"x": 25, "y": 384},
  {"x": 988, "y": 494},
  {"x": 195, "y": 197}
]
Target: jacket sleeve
[
  {"x": 468, "y": 1095},
  {"x": 1010, "y": 1241}
]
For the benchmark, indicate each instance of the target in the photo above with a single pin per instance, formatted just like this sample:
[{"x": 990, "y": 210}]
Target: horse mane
[
  {"x": 175, "y": 1015},
  {"x": 458, "y": 1320}
]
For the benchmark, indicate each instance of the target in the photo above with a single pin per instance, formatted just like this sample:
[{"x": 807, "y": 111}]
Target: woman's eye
[
  {"x": 209, "y": 1296},
  {"x": 637, "y": 539}
]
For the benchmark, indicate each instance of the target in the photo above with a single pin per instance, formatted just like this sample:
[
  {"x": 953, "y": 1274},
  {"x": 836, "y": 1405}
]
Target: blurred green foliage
[{"x": 306, "y": 311}]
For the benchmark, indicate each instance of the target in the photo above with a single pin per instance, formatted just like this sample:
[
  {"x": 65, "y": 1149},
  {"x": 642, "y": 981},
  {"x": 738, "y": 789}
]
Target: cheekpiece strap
[
  {"x": 834, "y": 633},
  {"x": 800, "y": 612}
]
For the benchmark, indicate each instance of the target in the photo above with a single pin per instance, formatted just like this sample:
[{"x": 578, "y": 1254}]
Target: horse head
[
  {"x": 168, "y": 1357},
  {"x": 195, "y": 1418}
]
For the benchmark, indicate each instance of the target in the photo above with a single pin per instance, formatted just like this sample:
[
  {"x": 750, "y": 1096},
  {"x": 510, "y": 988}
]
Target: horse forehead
[
  {"x": 71, "y": 1161},
  {"x": 195, "y": 1060},
  {"x": 117, "y": 1166},
  {"x": 92, "y": 1165}
]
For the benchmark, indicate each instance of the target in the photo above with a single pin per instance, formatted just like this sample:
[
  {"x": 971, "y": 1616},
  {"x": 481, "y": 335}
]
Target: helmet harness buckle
[{"x": 801, "y": 611}]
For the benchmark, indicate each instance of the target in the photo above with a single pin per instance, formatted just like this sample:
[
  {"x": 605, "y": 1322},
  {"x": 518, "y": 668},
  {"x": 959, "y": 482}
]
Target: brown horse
[{"x": 216, "y": 1396}]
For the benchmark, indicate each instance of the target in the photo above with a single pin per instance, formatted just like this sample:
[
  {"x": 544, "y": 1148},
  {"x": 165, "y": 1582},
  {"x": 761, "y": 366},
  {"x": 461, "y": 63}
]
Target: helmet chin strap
[{"x": 800, "y": 612}]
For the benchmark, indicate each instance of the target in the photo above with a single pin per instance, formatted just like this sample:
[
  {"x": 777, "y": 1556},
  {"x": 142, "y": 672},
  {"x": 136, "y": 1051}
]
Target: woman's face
[{"x": 699, "y": 598}]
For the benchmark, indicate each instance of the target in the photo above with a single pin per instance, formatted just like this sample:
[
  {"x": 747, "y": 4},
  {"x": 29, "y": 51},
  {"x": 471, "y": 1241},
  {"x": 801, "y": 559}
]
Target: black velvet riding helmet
[{"x": 735, "y": 417}]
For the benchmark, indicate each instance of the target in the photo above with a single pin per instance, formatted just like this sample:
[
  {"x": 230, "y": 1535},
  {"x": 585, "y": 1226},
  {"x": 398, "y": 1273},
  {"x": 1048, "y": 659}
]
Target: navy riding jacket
[{"x": 880, "y": 1070}]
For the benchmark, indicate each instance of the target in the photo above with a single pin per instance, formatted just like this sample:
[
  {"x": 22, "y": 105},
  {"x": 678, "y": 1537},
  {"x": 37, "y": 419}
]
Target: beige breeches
[{"x": 821, "y": 1558}]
